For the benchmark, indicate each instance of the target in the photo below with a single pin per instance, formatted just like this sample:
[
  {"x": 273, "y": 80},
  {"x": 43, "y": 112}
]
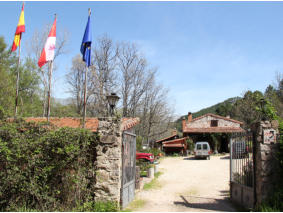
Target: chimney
[
  {"x": 228, "y": 116},
  {"x": 190, "y": 117},
  {"x": 174, "y": 132},
  {"x": 183, "y": 123}
]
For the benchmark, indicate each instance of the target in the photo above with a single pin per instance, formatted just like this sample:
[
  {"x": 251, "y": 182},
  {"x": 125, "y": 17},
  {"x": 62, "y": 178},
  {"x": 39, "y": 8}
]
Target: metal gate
[
  {"x": 128, "y": 168},
  {"x": 242, "y": 169}
]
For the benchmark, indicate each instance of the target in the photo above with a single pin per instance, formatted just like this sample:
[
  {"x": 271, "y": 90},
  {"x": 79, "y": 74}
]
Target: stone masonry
[
  {"x": 266, "y": 165},
  {"x": 109, "y": 160}
]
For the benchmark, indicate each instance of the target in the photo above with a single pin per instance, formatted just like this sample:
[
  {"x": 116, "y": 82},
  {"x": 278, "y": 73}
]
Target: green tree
[
  {"x": 7, "y": 66},
  {"x": 60, "y": 110},
  {"x": 29, "y": 91},
  {"x": 246, "y": 109},
  {"x": 224, "y": 109}
]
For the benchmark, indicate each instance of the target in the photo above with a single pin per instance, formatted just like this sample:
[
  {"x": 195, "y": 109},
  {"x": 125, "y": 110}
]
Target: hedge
[{"x": 45, "y": 169}]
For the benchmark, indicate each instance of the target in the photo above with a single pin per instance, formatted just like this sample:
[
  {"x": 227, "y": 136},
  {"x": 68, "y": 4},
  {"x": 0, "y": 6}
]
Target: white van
[{"x": 202, "y": 150}]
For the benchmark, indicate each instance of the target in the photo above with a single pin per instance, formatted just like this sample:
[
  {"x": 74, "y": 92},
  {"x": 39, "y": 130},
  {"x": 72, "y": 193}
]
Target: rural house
[
  {"x": 211, "y": 127},
  {"x": 172, "y": 144}
]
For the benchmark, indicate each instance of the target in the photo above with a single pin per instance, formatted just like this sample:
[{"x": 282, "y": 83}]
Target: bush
[
  {"x": 143, "y": 164},
  {"x": 153, "y": 151},
  {"x": 44, "y": 169},
  {"x": 190, "y": 144},
  {"x": 2, "y": 113},
  {"x": 105, "y": 207},
  {"x": 99, "y": 206}
]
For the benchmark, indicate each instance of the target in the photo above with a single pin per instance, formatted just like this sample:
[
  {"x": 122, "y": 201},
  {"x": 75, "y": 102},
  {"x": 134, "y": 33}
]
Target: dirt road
[{"x": 189, "y": 185}]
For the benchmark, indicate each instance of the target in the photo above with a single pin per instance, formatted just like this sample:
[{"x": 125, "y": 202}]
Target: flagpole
[
  {"x": 85, "y": 86},
  {"x": 49, "y": 88},
  {"x": 85, "y": 91},
  {"x": 18, "y": 73},
  {"x": 50, "y": 67},
  {"x": 17, "y": 82}
]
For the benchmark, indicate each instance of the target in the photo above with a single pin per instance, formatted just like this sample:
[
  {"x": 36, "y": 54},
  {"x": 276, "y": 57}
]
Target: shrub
[
  {"x": 143, "y": 164},
  {"x": 154, "y": 151},
  {"x": 45, "y": 169},
  {"x": 105, "y": 207},
  {"x": 190, "y": 144},
  {"x": 2, "y": 113},
  {"x": 99, "y": 206}
]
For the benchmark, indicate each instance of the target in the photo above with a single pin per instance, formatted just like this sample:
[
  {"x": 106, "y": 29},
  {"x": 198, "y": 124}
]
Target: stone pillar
[
  {"x": 109, "y": 160},
  {"x": 266, "y": 165}
]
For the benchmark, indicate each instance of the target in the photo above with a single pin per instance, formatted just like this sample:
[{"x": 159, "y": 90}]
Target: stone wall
[
  {"x": 205, "y": 122},
  {"x": 109, "y": 160},
  {"x": 266, "y": 165}
]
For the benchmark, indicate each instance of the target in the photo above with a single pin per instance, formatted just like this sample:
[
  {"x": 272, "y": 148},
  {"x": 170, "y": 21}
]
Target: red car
[{"x": 146, "y": 156}]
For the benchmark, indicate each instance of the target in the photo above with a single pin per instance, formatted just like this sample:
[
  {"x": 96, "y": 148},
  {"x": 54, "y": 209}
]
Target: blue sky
[{"x": 205, "y": 52}]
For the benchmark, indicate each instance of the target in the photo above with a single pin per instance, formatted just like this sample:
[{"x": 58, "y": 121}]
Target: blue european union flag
[{"x": 86, "y": 43}]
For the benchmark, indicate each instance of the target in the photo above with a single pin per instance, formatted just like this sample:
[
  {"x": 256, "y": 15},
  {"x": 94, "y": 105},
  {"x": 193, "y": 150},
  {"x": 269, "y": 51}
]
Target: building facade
[{"x": 212, "y": 128}]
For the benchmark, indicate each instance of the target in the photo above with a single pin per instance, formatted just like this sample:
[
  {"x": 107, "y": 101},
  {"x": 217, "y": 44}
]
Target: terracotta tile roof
[
  {"x": 213, "y": 129},
  {"x": 164, "y": 139},
  {"x": 174, "y": 145},
  {"x": 180, "y": 142},
  {"x": 128, "y": 123},
  {"x": 91, "y": 123},
  {"x": 217, "y": 116}
]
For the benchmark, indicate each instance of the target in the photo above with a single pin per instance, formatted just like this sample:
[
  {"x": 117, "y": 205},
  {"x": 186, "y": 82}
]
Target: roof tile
[
  {"x": 213, "y": 129},
  {"x": 91, "y": 123}
]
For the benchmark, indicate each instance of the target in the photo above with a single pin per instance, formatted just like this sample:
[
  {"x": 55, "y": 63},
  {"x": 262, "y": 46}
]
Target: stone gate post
[
  {"x": 109, "y": 160},
  {"x": 266, "y": 165}
]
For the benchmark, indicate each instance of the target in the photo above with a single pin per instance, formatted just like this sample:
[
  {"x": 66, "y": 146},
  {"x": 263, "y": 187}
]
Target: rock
[
  {"x": 274, "y": 124},
  {"x": 108, "y": 139}
]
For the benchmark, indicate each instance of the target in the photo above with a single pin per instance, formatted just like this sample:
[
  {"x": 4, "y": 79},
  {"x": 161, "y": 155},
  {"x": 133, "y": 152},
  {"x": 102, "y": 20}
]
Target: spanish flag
[{"x": 20, "y": 29}]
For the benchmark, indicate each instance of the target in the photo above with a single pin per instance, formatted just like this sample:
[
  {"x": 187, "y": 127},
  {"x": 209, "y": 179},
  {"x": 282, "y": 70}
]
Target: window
[
  {"x": 204, "y": 146},
  {"x": 198, "y": 146},
  {"x": 214, "y": 123}
]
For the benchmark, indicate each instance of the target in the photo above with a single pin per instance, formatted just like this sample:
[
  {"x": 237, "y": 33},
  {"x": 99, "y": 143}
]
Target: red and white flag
[{"x": 48, "y": 51}]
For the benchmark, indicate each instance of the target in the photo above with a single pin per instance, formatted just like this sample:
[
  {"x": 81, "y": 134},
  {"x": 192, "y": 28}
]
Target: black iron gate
[
  {"x": 242, "y": 169},
  {"x": 128, "y": 168}
]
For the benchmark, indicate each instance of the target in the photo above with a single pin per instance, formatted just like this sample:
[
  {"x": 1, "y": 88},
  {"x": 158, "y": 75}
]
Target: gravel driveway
[{"x": 190, "y": 185}]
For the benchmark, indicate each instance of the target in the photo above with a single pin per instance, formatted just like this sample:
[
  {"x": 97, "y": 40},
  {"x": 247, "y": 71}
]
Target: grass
[
  {"x": 99, "y": 206},
  {"x": 192, "y": 192},
  {"x": 156, "y": 175},
  {"x": 154, "y": 184},
  {"x": 136, "y": 204},
  {"x": 266, "y": 208},
  {"x": 143, "y": 174}
]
